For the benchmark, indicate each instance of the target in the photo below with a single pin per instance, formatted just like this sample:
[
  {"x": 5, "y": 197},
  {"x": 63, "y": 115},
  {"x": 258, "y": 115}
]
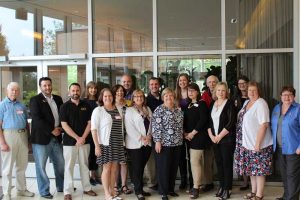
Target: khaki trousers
[
  {"x": 71, "y": 153},
  {"x": 18, "y": 153},
  {"x": 197, "y": 166}
]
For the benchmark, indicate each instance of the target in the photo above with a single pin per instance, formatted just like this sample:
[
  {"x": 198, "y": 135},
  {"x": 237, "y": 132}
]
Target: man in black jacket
[{"x": 46, "y": 136}]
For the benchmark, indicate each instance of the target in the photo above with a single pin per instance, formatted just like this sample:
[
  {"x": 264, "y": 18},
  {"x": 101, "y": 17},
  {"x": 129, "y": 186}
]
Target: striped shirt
[{"x": 13, "y": 114}]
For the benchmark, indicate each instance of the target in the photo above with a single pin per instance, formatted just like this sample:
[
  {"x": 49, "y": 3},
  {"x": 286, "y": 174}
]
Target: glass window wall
[
  {"x": 122, "y": 26},
  {"x": 189, "y": 25},
  {"x": 257, "y": 24},
  {"x": 109, "y": 71},
  {"x": 196, "y": 67}
]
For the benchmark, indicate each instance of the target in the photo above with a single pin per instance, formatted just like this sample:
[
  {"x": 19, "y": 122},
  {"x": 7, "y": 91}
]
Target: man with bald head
[
  {"x": 126, "y": 82},
  {"x": 14, "y": 142},
  {"x": 207, "y": 181}
]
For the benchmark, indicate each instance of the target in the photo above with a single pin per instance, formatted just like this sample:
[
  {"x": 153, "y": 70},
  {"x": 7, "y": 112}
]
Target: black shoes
[
  {"x": 164, "y": 197},
  {"x": 154, "y": 187},
  {"x": 183, "y": 185},
  {"x": 94, "y": 182},
  {"x": 246, "y": 187},
  {"x": 220, "y": 192},
  {"x": 173, "y": 194},
  {"x": 140, "y": 197},
  {"x": 47, "y": 196},
  {"x": 146, "y": 194},
  {"x": 226, "y": 195}
]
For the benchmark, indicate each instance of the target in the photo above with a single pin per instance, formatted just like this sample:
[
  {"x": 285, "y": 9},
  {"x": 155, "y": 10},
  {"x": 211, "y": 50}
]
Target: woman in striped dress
[{"x": 107, "y": 131}]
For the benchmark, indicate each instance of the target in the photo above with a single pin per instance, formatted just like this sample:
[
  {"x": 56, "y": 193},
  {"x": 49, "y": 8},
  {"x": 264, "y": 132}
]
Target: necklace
[{"x": 218, "y": 105}]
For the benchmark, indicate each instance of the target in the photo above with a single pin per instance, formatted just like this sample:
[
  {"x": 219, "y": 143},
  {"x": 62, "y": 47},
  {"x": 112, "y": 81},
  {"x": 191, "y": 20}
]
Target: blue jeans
[{"x": 54, "y": 151}]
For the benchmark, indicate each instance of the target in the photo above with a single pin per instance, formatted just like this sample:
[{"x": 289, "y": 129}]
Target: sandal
[
  {"x": 194, "y": 193},
  {"x": 117, "y": 191},
  {"x": 125, "y": 190},
  {"x": 249, "y": 195}
]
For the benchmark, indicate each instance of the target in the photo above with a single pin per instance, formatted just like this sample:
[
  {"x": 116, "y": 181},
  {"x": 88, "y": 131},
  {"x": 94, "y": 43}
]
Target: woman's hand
[
  {"x": 218, "y": 138},
  {"x": 158, "y": 147},
  {"x": 98, "y": 151},
  {"x": 256, "y": 147}
]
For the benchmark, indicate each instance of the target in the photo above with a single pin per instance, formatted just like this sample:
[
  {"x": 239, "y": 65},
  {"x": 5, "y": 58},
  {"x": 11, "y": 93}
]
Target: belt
[{"x": 21, "y": 130}]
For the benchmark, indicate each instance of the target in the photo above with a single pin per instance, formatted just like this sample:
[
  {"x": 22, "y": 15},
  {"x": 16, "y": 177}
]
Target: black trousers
[
  {"x": 92, "y": 157},
  {"x": 167, "y": 164},
  {"x": 290, "y": 173},
  {"x": 224, "y": 160},
  {"x": 139, "y": 158},
  {"x": 183, "y": 162}
]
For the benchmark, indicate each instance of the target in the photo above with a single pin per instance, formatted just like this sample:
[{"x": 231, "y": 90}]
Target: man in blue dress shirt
[{"x": 14, "y": 142}]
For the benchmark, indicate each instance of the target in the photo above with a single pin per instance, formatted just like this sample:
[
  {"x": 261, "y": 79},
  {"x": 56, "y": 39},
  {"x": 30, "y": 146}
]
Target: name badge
[
  {"x": 196, "y": 105},
  {"x": 118, "y": 117},
  {"x": 20, "y": 112},
  {"x": 83, "y": 108}
]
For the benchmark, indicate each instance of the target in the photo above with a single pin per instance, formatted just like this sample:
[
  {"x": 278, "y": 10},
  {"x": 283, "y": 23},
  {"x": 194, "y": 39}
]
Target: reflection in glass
[
  {"x": 189, "y": 25},
  {"x": 272, "y": 71},
  {"x": 63, "y": 76},
  {"x": 51, "y": 29},
  {"x": 195, "y": 66},
  {"x": 253, "y": 24},
  {"x": 17, "y": 32},
  {"x": 110, "y": 70},
  {"x": 122, "y": 26},
  {"x": 25, "y": 76}
]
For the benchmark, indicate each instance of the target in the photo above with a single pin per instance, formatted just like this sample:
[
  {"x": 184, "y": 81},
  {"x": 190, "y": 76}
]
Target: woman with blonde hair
[
  {"x": 167, "y": 134},
  {"x": 138, "y": 140},
  {"x": 222, "y": 133}
]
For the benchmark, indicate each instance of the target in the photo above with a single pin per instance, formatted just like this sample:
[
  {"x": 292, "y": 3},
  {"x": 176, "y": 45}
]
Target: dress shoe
[
  {"x": 47, "y": 196},
  {"x": 246, "y": 187},
  {"x": 140, "y": 197},
  {"x": 226, "y": 195},
  {"x": 173, "y": 194},
  {"x": 93, "y": 182},
  {"x": 220, "y": 192},
  {"x": 154, "y": 187},
  {"x": 164, "y": 197},
  {"x": 90, "y": 193},
  {"x": 146, "y": 194},
  {"x": 25, "y": 193}
]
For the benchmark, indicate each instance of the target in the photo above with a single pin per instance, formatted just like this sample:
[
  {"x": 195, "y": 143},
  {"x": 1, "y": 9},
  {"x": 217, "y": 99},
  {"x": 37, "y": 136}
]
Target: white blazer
[
  {"x": 101, "y": 121},
  {"x": 135, "y": 128}
]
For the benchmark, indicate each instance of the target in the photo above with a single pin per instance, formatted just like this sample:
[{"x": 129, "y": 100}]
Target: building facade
[{"x": 83, "y": 40}]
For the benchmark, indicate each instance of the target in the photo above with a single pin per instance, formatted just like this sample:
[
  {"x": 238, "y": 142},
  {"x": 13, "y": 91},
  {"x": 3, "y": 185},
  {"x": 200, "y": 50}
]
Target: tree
[{"x": 4, "y": 51}]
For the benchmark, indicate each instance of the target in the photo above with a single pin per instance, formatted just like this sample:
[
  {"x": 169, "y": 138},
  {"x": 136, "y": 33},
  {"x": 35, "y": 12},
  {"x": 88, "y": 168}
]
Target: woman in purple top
[{"x": 183, "y": 102}]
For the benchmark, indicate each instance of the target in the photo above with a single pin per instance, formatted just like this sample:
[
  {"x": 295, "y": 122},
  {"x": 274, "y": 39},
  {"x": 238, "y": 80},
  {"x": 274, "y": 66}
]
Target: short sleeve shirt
[
  {"x": 77, "y": 117},
  {"x": 13, "y": 114},
  {"x": 257, "y": 115}
]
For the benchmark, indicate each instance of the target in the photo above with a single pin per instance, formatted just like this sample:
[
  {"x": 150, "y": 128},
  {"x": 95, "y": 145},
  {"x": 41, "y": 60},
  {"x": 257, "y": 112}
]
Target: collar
[
  {"x": 10, "y": 101},
  {"x": 51, "y": 97}
]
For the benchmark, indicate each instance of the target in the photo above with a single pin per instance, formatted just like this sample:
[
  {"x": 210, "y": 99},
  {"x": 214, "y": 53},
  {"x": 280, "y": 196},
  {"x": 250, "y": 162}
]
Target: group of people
[{"x": 122, "y": 128}]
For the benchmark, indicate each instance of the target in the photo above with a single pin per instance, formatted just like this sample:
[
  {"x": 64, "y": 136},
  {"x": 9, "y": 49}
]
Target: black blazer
[
  {"x": 228, "y": 119},
  {"x": 42, "y": 119}
]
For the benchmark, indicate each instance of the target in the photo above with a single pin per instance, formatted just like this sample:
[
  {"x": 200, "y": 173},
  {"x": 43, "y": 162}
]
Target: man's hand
[
  {"x": 4, "y": 147},
  {"x": 56, "y": 131},
  {"x": 80, "y": 141}
]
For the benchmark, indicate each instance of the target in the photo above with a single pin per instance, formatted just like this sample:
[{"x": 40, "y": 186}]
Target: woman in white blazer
[
  {"x": 107, "y": 132},
  {"x": 138, "y": 139}
]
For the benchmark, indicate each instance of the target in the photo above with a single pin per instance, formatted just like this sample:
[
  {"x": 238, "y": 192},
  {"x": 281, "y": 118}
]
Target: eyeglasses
[
  {"x": 242, "y": 83},
  {"x": 287, "y": 95}
]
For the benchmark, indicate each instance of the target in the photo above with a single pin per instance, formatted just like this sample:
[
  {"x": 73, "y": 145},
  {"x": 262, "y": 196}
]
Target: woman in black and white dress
[{"x": 107, "y": 131}]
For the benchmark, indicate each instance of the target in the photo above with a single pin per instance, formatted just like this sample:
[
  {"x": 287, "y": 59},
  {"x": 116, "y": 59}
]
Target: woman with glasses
[
  {"x": 138, "y": 140},
  {"x": 286, "y": 141},
  {"x": 167, "y": 134}
]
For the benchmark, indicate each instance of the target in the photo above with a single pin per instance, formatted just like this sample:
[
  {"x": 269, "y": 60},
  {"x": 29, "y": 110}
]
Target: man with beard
[
  {"x": 46, "y": 137},
  {"x": 75, "y": 117}
]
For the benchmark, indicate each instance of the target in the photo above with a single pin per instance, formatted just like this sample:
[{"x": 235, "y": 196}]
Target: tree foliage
[{"x": 4, "y": 51}]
